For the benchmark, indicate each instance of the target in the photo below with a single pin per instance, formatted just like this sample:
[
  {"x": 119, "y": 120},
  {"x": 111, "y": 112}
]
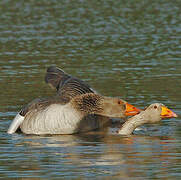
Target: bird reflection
[{"x": 97, "y": 150}]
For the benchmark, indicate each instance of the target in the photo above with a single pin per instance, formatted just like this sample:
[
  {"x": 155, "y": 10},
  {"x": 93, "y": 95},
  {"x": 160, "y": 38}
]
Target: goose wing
[
  {"x": 66, "y": 85},
  {"x": 56, "y": 77},
  {"x": 73, "y": 87}
]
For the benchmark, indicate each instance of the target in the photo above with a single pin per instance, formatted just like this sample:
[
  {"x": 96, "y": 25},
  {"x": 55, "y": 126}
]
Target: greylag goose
[
  {"x": 153, "y": 114},
  {"x": 52, "y": 116}
]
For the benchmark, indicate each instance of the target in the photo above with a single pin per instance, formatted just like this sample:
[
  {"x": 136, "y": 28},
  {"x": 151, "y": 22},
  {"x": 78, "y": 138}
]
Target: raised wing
[{"x": 67, "y": 86}]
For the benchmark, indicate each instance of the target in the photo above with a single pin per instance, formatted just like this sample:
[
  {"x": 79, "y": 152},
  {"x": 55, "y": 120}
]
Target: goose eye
[
  {"x": 120, "y": 102},
  {"x": 155, "y": 107}
]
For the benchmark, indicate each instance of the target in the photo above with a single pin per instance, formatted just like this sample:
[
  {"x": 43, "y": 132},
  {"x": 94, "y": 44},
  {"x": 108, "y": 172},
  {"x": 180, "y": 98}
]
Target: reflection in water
[
  {"x": 121, "y": 48},
  {"x": 109, "y": 154}
]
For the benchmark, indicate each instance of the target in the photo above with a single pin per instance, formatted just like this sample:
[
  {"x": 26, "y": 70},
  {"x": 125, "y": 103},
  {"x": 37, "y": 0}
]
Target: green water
[{"x": 121, "y": 48}]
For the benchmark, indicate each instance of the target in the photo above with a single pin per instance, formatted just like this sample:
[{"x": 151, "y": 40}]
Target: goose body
[
  {"x": 54, "y": 119},
  {"x": 67, "y": 88},
  {"x": 51, "y": 116}
]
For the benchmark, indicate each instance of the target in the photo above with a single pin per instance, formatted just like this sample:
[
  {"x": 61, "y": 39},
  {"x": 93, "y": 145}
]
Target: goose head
[
  {"x": 156, "y": 112},
  {"x": 152, "y": 114}
]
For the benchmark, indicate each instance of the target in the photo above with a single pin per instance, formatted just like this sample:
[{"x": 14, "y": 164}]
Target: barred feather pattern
[
  {"x": 88, "y": 103},
  {"x": 71, "y": 89}
]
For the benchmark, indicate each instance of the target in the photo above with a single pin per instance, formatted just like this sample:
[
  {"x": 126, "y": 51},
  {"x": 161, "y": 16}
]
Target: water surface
[{"x": 127, "y": 49}]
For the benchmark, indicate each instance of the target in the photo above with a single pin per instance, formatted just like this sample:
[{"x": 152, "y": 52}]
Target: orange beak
[
  {"x": 167, "y": 113},
  {"x": 131, "y": 110}
]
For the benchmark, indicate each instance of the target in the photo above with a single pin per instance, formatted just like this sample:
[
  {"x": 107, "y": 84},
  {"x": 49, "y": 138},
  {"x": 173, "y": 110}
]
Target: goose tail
[{"x": 15, "y": 124}]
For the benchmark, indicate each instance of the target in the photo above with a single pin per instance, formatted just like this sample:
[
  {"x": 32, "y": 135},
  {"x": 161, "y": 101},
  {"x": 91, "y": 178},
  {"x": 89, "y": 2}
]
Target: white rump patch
[
  {"x": 15, "y": 124},
  {"x": 138, "y": 129}
]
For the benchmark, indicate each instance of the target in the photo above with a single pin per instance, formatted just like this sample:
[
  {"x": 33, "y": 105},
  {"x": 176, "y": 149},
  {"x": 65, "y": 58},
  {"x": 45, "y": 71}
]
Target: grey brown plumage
[
  {"x": 41, "y": 116},
  {"x": 53, "y": 117}
]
